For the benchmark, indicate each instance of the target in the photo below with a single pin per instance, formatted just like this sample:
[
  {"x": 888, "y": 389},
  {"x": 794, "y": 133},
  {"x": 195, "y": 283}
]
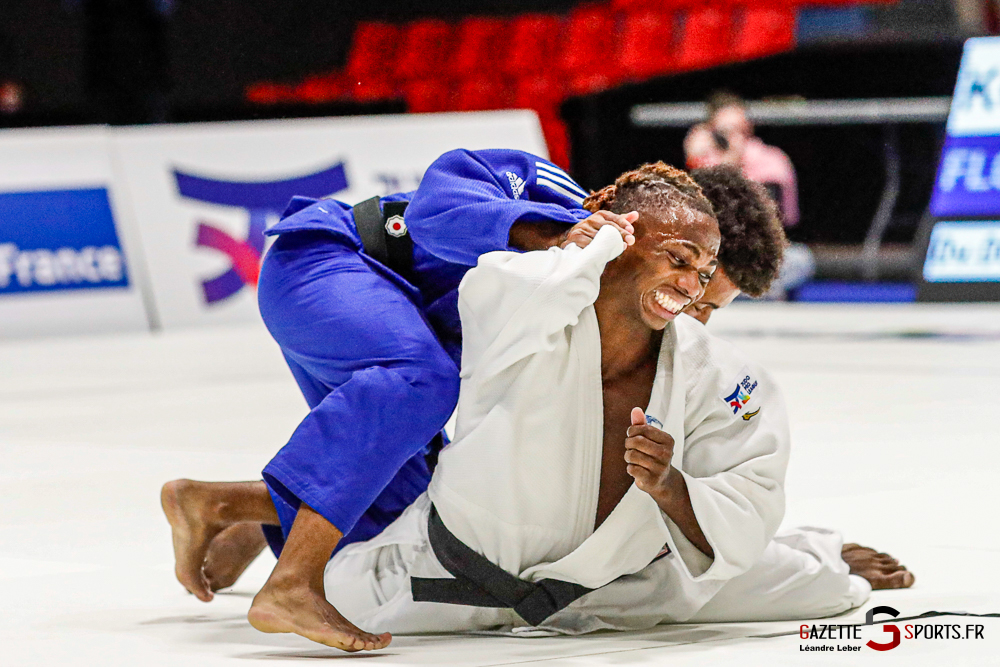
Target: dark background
[
  {"x": 189, "y": 61},
  {"x": 840, "y": 169}
]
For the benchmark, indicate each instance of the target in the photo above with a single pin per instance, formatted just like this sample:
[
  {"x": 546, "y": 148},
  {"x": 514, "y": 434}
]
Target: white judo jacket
[{"x": 519, "y": 483}]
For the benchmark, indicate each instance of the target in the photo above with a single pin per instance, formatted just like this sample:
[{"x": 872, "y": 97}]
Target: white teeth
[{"x": 667, "y": 303}]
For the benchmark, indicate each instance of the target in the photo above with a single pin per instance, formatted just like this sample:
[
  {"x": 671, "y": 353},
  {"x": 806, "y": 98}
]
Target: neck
[{"x": 626, "y": 342}]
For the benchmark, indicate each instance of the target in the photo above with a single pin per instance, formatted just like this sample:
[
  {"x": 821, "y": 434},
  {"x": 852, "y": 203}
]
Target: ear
[{"x": 638, "y": 417}]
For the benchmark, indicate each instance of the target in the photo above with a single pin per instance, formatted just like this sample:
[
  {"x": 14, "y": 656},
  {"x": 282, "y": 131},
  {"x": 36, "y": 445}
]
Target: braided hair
[
  {"x": 655, "y": 185},
  {"x": 753, "y": 240}
]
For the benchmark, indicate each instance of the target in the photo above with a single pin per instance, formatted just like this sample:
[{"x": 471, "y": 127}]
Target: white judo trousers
[{"x": 519, "y": 483}]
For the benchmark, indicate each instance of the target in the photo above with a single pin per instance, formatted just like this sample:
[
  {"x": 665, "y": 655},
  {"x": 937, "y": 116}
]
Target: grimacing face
[
  {"x": 670, "y": 264},
  {"x": 719, "y": 294}
]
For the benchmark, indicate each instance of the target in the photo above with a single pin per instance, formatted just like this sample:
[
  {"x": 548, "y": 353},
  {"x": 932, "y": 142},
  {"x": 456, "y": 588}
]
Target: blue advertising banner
[
  {"x": 962, "y": 262},
  {"x": 968, "y": 179},
  {"x": 54, "y": 240}
]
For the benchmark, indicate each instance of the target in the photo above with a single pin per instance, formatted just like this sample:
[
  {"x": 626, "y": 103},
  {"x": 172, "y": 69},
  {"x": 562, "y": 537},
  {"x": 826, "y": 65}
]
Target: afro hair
[{"x": 753, "y": 239}]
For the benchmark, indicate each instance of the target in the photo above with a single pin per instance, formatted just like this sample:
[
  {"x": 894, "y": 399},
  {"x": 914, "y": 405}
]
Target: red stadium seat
[
  {"x": 844, "y": 3},
  {"x": 657, "y": 5},
  {"x": 424, "y": 49},
  {"x": 762, "y": 31},
  {"x": 320, "y": 89},
  {"x": 530, "y": 48},
  {"x": 266, "y": 92},
  {"x": 482, "y": 94},
  {"x": 645, "y": 46},
  {"x": 586, "y": 39},
  {"x": 370, "y": 89},
  {"x": 428, "y": 96},
  {"x": 705, "y": 38},
  {"x": 538, "y": 92},
  {"x": 588, "y": 82},
  {"x": 479, "y": 44},
  {"x": 372, "y": 49}
]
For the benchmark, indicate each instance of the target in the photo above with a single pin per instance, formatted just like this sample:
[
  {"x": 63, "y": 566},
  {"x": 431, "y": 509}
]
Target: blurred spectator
[
  {"x": 11, "y": 98},
  {"x": 728, "y": 138}
]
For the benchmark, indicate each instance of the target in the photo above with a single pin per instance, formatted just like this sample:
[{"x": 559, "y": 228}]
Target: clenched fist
[{"x": 648, "y": 451}]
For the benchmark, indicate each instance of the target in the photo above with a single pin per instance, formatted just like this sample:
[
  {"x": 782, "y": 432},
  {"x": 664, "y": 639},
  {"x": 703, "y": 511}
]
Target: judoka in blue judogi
[{"x": 377, "y": 355}]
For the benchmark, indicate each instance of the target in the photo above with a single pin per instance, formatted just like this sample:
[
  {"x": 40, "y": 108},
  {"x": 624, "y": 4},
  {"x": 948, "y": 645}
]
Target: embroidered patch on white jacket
[{"x": 742, "y": 392}]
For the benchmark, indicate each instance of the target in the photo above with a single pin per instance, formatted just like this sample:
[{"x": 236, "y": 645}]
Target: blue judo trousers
[{"x": 375, "y": 356}]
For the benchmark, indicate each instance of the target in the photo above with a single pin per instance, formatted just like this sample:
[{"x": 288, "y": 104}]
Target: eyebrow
[{"x": 696, "y": 249}]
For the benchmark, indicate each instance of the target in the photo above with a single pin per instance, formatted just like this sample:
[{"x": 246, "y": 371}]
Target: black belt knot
[{"x": 479, "y": 582}]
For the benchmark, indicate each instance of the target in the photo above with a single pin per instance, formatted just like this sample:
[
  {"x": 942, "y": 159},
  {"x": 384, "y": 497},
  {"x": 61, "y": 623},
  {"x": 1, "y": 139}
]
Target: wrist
[
  {"x": 670, "y": 490},
  {"x": 542, "y": 235}
]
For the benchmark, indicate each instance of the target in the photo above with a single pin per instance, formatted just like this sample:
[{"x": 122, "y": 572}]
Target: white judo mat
[{"x": 896, "y": 443}]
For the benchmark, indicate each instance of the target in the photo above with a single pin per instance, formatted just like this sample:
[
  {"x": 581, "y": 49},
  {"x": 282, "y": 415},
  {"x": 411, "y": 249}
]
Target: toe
[{"x": 901, "y": 579}]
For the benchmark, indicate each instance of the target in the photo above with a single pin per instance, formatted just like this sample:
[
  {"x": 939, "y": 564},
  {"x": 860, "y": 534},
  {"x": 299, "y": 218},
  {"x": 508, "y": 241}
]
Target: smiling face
[{"x": 668, "y": 268}]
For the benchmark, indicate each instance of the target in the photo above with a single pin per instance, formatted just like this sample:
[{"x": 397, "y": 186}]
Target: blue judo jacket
[{"x": 375, "y": 356}]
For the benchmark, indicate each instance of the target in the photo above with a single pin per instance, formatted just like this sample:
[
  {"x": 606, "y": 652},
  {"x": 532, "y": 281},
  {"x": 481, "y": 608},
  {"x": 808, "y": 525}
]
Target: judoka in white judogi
[{"x": 519, "y": 484}]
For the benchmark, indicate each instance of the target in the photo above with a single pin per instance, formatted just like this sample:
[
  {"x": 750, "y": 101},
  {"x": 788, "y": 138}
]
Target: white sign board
[
  {"x": 963, "y": 251},
  {"x": 203, "y": 194},
  {"x": 68, "y": 261},
  {"x": 975, "y": 106}
]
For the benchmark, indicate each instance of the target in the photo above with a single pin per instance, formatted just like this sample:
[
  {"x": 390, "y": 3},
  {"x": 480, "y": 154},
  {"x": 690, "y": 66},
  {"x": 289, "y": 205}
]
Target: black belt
[
  {"x": 384, "y": 234},
  {"x": 479, "y": 582}
]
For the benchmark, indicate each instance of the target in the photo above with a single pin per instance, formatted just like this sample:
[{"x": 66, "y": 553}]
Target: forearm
[
  {"x": 537, "y": 235},
  {"x": 675, "y": 501}
]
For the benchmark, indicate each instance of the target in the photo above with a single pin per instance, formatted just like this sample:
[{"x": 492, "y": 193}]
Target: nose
[{"x": 690, "y": 285}]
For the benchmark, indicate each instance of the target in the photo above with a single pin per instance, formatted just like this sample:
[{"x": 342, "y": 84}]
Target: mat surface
[{"x": 895, "y": 443}]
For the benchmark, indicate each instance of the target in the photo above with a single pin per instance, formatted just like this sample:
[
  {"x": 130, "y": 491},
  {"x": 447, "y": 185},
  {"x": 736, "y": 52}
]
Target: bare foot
[
  {"x": 881, "y": 570},
  {"x": 231, "y": 552},
  {"x": 193, "y": 522},
  {"x": 306, "y": 612}
]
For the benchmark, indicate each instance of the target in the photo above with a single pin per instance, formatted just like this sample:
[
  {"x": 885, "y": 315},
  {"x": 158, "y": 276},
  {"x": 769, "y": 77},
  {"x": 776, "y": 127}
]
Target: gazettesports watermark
[{"x": 885, "y": 635}]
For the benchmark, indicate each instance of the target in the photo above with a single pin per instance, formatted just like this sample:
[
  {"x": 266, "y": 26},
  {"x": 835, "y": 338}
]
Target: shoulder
[
  {"x": 704, "y": 353},
  {"x": 489, "y": 157},
  {"x": 720, "y": 377},
  {"x": 305, "y": 214},
  {"x": 758, "y": 150}
]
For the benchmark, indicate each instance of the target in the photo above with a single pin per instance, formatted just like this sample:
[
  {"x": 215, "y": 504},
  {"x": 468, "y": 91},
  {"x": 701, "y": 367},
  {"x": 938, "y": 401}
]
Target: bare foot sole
[
  {"x": 307, "y": 613},
  {"x": 231, "y": 552},
  {"x": 189, "y": 510},
  {"x": 880, "y": 569}
]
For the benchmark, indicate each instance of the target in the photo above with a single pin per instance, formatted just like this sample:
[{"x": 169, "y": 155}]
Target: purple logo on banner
[
  {"x": 968, "y": 179},
  {"x": 260, "y": 199}
]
